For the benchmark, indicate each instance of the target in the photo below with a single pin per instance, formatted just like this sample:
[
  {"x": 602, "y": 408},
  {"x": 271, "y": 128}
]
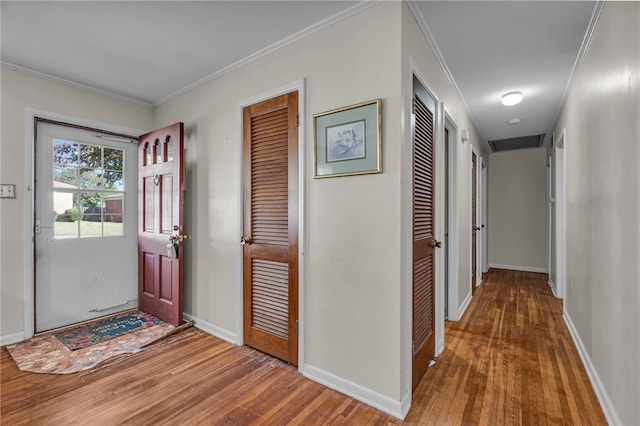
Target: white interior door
[{"x": 85, "y": 225}]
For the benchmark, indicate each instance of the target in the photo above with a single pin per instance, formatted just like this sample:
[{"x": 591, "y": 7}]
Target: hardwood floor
[{"x": 510, "y": 360}]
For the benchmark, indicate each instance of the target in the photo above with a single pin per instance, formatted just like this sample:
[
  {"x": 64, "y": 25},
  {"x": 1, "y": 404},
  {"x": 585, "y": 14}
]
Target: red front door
[{"x": 160, "y": 215}]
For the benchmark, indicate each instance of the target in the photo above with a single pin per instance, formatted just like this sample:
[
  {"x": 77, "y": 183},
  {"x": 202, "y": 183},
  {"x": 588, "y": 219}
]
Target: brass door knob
[
  {"x": 245, "y": 241},
  {"x": 436, "y": 243}
]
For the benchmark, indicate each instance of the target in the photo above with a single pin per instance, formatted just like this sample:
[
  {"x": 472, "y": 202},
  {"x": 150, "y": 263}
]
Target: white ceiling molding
[
  {"x": 583, "y": 49},
  {"x": 422, "y": 23},
  {"x": 275, "y": 46},
  {"x": 45, "y": 76}
]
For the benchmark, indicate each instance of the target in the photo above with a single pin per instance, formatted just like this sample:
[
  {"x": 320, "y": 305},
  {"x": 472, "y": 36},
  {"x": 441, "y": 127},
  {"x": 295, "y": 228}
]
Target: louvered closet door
[
  {"x": 474, "y": 221},
  {"x": 423, "y": 237},
  {"x": 270, "y": 237}
]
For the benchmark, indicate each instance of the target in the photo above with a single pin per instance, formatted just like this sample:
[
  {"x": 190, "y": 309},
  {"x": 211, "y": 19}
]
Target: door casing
[{"x": 299, "y": 86}]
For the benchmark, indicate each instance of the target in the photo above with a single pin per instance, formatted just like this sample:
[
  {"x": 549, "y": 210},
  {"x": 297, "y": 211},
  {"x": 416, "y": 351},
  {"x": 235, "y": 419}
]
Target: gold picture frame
[{"x": 348, "y": 141}]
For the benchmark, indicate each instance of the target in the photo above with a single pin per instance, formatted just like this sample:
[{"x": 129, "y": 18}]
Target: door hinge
[
  {"x": 297, "y": 328},
  {"x": 297, "y": 120}
]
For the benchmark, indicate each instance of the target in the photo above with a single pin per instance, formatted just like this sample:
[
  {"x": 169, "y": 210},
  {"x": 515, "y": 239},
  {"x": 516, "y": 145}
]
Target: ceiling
[{"x": 152, "y": 51}]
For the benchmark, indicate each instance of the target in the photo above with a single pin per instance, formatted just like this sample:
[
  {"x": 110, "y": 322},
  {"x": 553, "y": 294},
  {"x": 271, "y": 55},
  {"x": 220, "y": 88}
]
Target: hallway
[{"x": 510, "y": 360}]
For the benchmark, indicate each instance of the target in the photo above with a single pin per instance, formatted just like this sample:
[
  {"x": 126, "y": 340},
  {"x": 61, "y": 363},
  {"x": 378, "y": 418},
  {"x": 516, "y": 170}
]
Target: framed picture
[{"x": 348, "y": 141}]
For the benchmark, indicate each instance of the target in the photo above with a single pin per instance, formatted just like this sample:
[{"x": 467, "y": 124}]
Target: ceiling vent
[{"x": 534, "y": 141}]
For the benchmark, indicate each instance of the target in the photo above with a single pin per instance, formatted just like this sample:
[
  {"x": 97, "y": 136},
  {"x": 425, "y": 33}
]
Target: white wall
[
  {"x": 351, "y": 309},
  {"x": 517, "y": 210},
  {"x": 19, "y": 93},
  {"x": 602, "y": 150}
]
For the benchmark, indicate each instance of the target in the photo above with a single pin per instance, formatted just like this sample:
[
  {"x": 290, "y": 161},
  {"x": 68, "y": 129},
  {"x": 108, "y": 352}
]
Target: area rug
[
  {"x": 99, "y": 331},
  {"x": 47, "y": 354}
]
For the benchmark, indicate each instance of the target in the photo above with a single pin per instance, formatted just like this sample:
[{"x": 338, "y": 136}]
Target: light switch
[{"x": 7, "y": 191}]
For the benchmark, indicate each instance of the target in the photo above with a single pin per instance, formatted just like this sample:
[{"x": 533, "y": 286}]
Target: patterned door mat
[{"x": 100, "y": 331}]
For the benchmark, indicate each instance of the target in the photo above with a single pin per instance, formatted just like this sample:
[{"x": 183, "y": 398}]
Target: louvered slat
[
  {"x": 269, "y": 178},
  {"x": 423, "y": 171},
  {"x": 423, "y": 223},
  {"x": 270, "y": 297},
  {"x": 422, "y": 301}
]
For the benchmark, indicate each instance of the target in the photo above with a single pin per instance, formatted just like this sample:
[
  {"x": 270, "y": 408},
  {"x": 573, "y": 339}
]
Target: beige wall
[
  {"x": 418, "y": 57},
  {"x": 517, "y": 209},
  {"x": 602, "y": 148},
  {"x": 19, "y": 93},
  {"x": 351, "y": 305},
  {"x": 356, "y": 282}
]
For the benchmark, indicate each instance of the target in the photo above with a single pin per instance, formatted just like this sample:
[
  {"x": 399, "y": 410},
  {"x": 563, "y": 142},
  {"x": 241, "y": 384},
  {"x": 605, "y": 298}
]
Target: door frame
[
  {"x": 452, "y": 253},
  {"x": 472, "y": 151},
  {"x": 29, "y": 182},
  {"x": 299, "y": 86},
  {"x": 407, "y": 231},
  {"x": 560, "y": 213},
  {"x": 485, "y": 217}
]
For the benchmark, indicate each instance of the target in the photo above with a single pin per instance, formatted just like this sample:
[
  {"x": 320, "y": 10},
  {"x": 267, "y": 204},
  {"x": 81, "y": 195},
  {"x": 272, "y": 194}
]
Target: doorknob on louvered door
[
  {"x": 436, "y": 243},
  {"x": 245, "y": 241},
  {"x": 477, "y": 228}
]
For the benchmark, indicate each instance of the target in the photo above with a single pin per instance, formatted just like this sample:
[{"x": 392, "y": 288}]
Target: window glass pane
[
  {"x": 113, "y": 159},
  {"x": 147, "y": 155},
  {"x": 169, "y": 148},
  {"x": 66, "y": 215},
  {"x": 65, "y": 153},
  {"x": 113, "y": 226},
  {"x": 90, "y": 156},
  {"x": 92, "y": 178},
  {"x": 158, "y": 151},
  {"x": 113, "y": 180},
  {"x": 65, "y": 177},
  {"x": 91, "y": 205}
]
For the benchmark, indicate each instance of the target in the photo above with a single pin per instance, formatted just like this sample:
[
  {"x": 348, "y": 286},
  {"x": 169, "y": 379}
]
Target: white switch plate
[{"x": 7, "y": 191}]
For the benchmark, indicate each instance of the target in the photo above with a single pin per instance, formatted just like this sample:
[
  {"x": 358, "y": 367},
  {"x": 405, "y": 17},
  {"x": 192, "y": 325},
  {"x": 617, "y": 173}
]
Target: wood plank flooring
[{"x": 510, "y": 360}]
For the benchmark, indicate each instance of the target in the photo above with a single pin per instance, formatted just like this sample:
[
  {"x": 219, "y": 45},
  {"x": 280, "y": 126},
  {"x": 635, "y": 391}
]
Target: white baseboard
[
  {"x": 11, "y": 338},
  {"x": 398, "y": 409},
  {"x": 598, "y": 387},
  {"x": 464, "y": 306},
  {"x": 518, "y": 268},
  {"x": 207, "y": 327}
]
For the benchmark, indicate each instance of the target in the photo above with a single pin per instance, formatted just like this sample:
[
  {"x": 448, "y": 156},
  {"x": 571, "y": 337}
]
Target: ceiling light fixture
[
  {"x": 512, "y": 98},
  {"x": 515, "y": 121}
]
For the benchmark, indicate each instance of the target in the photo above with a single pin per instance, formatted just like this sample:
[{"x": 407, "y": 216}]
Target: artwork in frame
[{"x": 348, "y": 141}]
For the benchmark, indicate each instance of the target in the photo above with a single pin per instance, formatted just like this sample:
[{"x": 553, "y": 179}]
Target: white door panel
[{"x": 85, "y": 266}]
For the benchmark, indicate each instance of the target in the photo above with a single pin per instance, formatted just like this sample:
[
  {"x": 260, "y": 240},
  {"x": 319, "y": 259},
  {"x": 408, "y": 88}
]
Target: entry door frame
[
  {"x": 299, "y": 86},
  {"x": 29, "y": 184}
]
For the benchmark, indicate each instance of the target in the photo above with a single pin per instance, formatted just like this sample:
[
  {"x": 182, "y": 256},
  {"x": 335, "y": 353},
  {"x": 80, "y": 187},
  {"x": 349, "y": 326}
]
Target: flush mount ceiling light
[
  {"x": 515, "y": 121},
  {"x": 512, "y": 98}
]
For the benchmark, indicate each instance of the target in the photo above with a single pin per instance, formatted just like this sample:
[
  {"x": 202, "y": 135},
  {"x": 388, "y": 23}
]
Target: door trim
[
  {"x": 560, "y": 216},
  {"x": 299, "y": 86},
  {"x": 29, "y": 183},
  {"x": 452, "y": 167}
]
